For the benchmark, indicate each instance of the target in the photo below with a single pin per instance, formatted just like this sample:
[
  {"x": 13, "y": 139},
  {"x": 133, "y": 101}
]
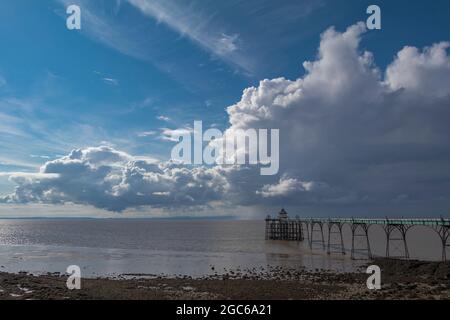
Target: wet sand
[{"x": 400, "y": 280}]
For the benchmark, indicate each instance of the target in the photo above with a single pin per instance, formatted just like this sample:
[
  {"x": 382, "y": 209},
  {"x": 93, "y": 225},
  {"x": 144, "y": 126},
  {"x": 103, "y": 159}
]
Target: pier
[{"x": 312, "y": 230}]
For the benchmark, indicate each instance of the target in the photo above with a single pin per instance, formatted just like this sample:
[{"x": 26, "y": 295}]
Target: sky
[{"x": 86, "y": 115}]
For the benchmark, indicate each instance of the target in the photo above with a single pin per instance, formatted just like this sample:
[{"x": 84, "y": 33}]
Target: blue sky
[{"x": 138, "y": 67}]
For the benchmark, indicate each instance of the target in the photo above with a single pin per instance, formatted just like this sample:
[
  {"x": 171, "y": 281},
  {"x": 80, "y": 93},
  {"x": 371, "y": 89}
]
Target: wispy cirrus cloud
[
  {"x": 238, "y": 34},
  {"x": 155, "y": 37},
  {"x": 107, "y": 79},
  {"x": 111, "y": 81},
  {"x": 227, "y": 44},
  {"x": 145, "y": 134},
  {"x": 197, "y": 25}
]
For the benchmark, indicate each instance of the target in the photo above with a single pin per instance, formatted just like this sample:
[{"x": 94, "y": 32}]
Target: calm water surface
[{"x": 118, "y": 246}]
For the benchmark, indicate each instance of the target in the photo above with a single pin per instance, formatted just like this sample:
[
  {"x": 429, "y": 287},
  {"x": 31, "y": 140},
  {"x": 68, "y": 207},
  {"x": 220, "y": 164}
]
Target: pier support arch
[
  {"x": 363, "y": 229},
  {"x": 389, "y": 228},
  {"x": 313, "y": 230},
  {"x": 339, "y": 226},
  {"x": 444, "y": 233}
]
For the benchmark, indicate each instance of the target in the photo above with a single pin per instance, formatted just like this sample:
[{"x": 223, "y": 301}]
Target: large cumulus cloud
[
  {"x": 350, "y": 133},
  {"x": 372, "y": 137},
  {"x": 113, "y": 180}
]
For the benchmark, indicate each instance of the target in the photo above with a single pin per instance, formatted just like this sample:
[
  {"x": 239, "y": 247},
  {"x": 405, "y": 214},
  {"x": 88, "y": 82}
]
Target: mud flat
[{"x": 400, "y": 280}]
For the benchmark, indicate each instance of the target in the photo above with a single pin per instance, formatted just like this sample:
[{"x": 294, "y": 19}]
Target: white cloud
[
  {"x": 146, "y": 133},
  {"x": 367, "y": 138},
  {"x": 287, "y": 186},
  {"x": 113, "y": 180},
  {"x": 28, "y": 175},
  {"x": 193, "y": 23},
  {"x": 39, "y": 156},
  {"x": 163, "y": 118},
  {"x": 227, "y": 44},
  {"x": 350, "y": 134},
  {"x": 111, "y": 81},
  {"x": 426, "y": 72},
  {"x": 174, "y": 134}
]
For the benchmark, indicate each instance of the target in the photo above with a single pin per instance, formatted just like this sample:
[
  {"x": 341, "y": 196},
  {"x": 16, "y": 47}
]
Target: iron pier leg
[
  {"x": 323, "y": 238},
  {"x": 387, "y": 230},
  {"x": 445, "y": 236},
  {"x": 369, "y": 251},
  {"x": 342, "y": 239},
  {"x": 310, "y": 227},
  {"x": 404, "y": 231},
  {"x": 353, "y": 241},
  {"x": 329, "y": 238}
]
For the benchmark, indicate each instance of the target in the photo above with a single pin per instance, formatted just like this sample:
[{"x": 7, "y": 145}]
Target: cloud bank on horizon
[{"x": 350, "y": 135}]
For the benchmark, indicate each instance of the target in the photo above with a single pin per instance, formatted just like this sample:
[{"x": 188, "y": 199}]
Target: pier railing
[{"x": 312, "y": 229}]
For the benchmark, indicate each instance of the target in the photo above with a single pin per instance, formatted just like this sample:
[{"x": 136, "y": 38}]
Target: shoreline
[{"x": 400, "y": 279}]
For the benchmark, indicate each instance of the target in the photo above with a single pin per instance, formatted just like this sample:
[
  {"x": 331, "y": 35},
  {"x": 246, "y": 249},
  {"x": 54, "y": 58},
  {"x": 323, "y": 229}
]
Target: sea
[{"x": 197, "y": 248}]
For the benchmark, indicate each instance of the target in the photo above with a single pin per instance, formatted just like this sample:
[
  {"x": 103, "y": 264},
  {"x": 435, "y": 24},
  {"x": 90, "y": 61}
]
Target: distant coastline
[{"x": 180, "y": 218}]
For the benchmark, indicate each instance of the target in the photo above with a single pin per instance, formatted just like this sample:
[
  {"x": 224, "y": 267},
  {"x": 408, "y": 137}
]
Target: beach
[{"x": 400, "y": 280}]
